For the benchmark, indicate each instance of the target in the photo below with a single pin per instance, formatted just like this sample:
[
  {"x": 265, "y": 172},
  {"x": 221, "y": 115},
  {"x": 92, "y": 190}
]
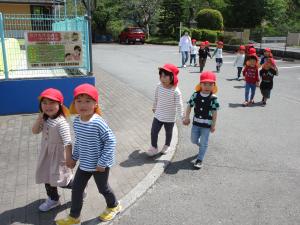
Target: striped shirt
[
  {"x": 63, "y": 128},
  {"x": 94, "y": 143},
  {"x": 167, "y": 102}
]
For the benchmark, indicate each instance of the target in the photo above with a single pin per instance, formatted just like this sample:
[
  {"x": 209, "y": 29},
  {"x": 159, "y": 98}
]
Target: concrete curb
[{"x": 145, "y": 184}]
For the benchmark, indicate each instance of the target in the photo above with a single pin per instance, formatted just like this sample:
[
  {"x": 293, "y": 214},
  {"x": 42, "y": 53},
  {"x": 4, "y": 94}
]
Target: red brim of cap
[
  {"x": 50, "y": 97},
  {"x": 84, "y": 93},
  {"x": 208, "y": 80},
  {"x": 166, "y": 69}
]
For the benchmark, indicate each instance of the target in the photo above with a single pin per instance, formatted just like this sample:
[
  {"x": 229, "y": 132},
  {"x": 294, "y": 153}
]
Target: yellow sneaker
[
  {"x": 68, "y": 221},
  {"x": 110, "y": 213}
]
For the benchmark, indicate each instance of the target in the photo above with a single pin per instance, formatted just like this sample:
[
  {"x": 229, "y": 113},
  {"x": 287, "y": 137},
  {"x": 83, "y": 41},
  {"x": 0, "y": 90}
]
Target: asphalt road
[{"x": 251, "y": 173}]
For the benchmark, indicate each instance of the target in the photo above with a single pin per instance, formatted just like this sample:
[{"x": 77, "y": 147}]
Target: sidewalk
[{"x": 129, "y": 115}]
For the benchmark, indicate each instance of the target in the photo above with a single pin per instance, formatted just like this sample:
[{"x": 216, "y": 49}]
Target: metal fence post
[
  {"x": 90, "y": 37},
  {"x": 3, "y": 46}
]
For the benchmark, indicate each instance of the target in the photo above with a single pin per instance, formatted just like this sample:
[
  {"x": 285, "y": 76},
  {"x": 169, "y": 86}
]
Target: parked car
[{"x": 132, "y": 35}]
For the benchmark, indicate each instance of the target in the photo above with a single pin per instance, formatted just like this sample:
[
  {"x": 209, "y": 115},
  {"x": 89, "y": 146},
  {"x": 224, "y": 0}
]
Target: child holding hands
[{"x": 205, "y": 105}]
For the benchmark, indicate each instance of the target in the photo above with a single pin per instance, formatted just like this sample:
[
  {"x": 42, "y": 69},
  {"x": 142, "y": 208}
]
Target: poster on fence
[{"x": 53, "y": 49}]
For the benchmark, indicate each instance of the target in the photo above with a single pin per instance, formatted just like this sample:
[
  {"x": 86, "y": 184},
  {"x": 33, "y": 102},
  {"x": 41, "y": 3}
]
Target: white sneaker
[
  {"x": 184, "y": 66},
  {"x": 84, "y": 195},
  {"x": 152, "y": 151},
  {"x": 48, "y": 204},
  {"x": 165, "y": 149}
]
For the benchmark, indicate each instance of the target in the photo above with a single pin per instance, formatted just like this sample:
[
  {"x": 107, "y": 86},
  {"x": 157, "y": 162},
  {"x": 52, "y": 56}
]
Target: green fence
[{"x": 13, "y": 61}]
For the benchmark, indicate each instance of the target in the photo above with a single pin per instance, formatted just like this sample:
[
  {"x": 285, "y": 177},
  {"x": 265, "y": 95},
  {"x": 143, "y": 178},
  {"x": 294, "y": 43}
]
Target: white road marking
[{"x": 287, "y": 67}]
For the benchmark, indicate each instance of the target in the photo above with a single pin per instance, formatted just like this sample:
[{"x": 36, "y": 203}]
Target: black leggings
[
  {"x": 80, "y": 181},
  {"x": 156, "y": 126},
  {"x": 239, "y": 71},
  {"x": 52, "y": 191}
]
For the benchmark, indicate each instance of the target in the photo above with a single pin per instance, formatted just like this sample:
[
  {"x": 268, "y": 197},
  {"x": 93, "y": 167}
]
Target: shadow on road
[
  {"x": 29, "y": 214},
  {"x": 239, "y": 86},
  {"x": 138, "y": 158},
  {"x": 237, "y": 105},
  {"x": 185, "y": 164}
]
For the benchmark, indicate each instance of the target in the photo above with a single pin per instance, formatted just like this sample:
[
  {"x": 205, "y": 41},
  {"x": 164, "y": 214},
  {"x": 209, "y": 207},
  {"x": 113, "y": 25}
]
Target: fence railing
[{"x": 13, "y": 61}]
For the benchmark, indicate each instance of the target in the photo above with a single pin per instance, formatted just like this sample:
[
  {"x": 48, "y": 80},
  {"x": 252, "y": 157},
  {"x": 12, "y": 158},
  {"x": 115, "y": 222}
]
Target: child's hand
[
  {"x": 100, "y": 169},
  {"x": 70, "y": 163},
  {"x": 153, "y": 110},
  {"x": 212, "y": 129},
  {"x": 186, "y": 121},
  {"x": 257, "y": 84}
]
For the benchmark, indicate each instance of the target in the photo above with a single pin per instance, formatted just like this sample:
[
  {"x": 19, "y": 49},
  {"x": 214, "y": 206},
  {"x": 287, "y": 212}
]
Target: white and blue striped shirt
[{"x": 94, "y": 143}]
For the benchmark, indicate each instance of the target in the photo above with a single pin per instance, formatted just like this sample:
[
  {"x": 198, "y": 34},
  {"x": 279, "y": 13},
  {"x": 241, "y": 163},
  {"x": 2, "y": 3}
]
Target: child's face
[
  {"x": 76, "y": 52},
  {"x": 165, "y": 79},
  {"x": 85, "y": 105},
  {"x": 49, "y": 107},
  {"x": 220, "y": 46},
  {"x": 202, "y": 46},
  {"x": 68, "y": 58},
  {"x": 194, "y": 43},
  {"x": 266, "y": 53},
  {"x": 242, "y": 51},
  {"x": 207, "y": 87},
  {"x": 252, "y": 62}
]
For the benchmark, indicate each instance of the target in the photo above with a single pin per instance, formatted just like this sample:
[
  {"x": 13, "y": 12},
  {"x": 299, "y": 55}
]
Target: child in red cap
[
  {"x": 250, "y": 73},
  {"x": 267, "y": 54},
  {"x": 95, "y": 149},
  {"x": 219, "y": 55},
  {"x": 205, "y": 105},
  {"x": 56, "y": 144},
  {"x": 167, "y": 102},
  {"x": 194, "y": 50},
  {"x": 239, "y": 61},
  {"x": 267, "y": 73},
  {"x": 203, "y": 53}
]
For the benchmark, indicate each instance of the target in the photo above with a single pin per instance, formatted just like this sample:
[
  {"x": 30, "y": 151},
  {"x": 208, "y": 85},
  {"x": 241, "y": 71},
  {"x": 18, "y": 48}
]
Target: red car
[{"x": 132, "y": 35}]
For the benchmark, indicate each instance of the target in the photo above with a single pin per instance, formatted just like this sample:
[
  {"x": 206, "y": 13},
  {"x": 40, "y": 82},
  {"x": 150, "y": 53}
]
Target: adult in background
[{"x": 185, "y": 45}]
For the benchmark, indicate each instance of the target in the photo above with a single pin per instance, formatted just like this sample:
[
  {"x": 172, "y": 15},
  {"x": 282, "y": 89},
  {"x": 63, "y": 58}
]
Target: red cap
[
  {"x": 242, "y": 47},
  {"x": 267, "y": 50},
  {"x": 208, "y": 76},
  {"x": 194, "y": 40},
  {"x": 172, "y": 69},
  {"x": 252, "y": 51},
  {"x": 206, "y": 42},
  {"x": 220, "y": 43},
  {"x": 87, "y": 89},
  {"x": 52, "y": 94}
]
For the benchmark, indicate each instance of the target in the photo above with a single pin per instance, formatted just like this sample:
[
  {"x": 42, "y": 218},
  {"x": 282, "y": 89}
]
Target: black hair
[
  {"x": 68, "y": 54},
  {"x": 77, "y": 48},
  {"x": 59, "y": 113},
  {"x": 167, "y": 73}
]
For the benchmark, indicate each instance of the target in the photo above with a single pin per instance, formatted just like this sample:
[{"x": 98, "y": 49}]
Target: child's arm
[
  {"x": 187, "y": 120},
  {"x": 38, "y": 124},
  {"x": 215, "y": 106},
  {"x": 107, "y": 157},
  {"x": 179, "y": 104},
  {"x": 214, "y": 120},
  {"x": 214, "y": 52},
  {"x": 208, "y": 53},
  {"x": 155, "y": 100}
]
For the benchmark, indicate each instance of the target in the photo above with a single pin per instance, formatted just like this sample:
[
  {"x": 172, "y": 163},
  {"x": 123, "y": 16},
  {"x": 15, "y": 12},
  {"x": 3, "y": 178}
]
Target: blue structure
[
  {"x": 19, "y": 93},
  {"x": 21, "y": 96}
]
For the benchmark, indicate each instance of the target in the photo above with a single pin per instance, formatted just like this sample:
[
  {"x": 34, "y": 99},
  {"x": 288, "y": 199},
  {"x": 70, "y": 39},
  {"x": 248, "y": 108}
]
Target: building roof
[{"x": 34, "y": 2}]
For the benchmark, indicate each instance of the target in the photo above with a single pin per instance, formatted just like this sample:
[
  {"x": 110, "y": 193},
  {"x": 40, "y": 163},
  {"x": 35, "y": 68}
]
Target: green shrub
[
  {"x": 196, "y": 34},
  {"x": 114, "y": 28},
  {"x": 209, "y": 35},
  {"x": 209, "y": 19}
]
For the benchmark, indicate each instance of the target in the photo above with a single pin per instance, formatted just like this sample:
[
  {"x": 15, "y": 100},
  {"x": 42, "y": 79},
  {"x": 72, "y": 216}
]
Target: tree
[
  {"x": 244, "y": 13},
  {"x": 171, "y": 13},
  {"x": 210, "y": 19},
  {"x": 142, "y": 11}
]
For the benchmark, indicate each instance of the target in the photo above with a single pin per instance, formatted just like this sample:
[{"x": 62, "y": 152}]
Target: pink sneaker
[{"x": 152, "y": 151}]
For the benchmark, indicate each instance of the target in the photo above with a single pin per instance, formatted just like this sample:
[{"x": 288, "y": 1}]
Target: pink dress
[{"x": 51, "y": 167}]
